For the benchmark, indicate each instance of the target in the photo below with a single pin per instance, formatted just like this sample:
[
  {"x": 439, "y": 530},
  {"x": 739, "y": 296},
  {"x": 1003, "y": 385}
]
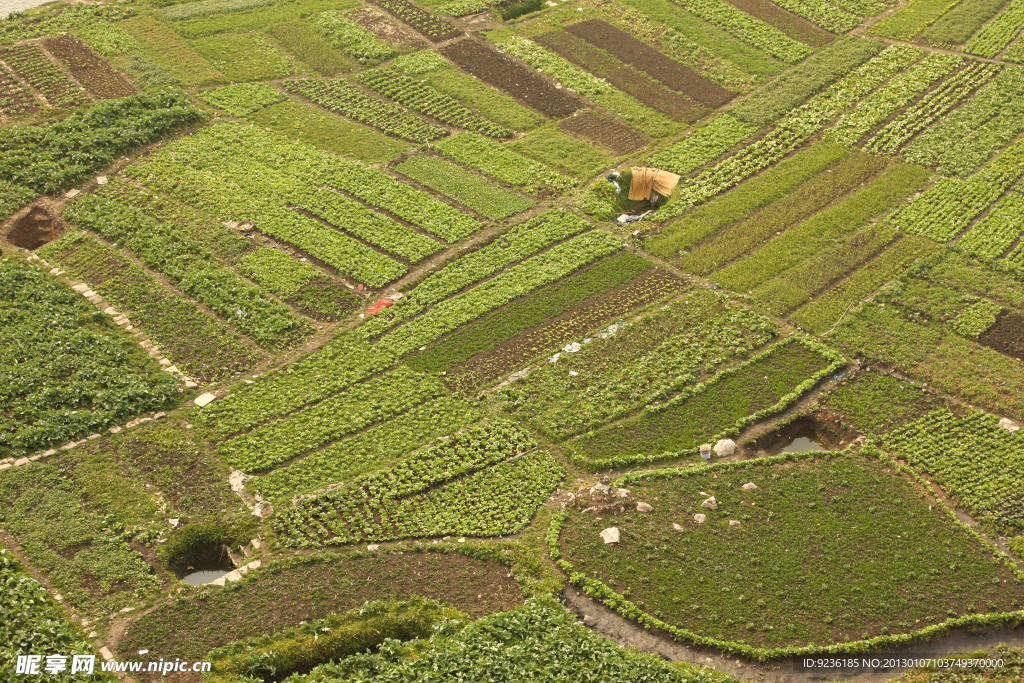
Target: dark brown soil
[
  {"x": 15, "y": 99},
  {"x": 379, "y": 25},
  {"x": 34, "y": 229},
  {"x": 98, "y": 77},
  {"x": 1006, "y": 336},
  {"x": 430, "y": 25},
  {"x": 336, "y": 583},
  {"x": 623, "y": 76},
  {"x": 656, "y": 65},
  {"x": 606, "y": 132},
  {"x": 487, "y": 368},
  {"x": 793, "y": 26},
  {"x": 509, "y": 75}
]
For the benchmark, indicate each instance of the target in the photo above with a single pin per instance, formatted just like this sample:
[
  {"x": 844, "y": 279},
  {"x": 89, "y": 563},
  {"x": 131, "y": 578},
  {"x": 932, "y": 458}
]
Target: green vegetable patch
[{"x": 828, "y": 549}]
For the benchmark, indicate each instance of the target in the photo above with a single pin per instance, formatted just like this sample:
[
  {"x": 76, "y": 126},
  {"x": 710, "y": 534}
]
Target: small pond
[
  {"x": 803, "y": 441},
  {"x": 202, "y": 576}
]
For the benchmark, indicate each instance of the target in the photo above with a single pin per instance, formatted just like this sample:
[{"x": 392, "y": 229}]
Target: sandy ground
[{"x": 8, "y": 6}]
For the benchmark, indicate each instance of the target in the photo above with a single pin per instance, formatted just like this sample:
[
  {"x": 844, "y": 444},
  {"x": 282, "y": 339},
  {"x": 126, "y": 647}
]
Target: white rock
[
  {"x": 461, "y": 540},
  {"x": 572, "y": 348},
  {"x": 115, "y": 430},
  {"x": 71, "y": 193},
  {"x": 733, "y": 522},
  {"x": 165, "y": 362},
  {"x": 92, "y": 437},
  {"x": 173, "y": 369},
  {"x": 372, "y": 547},
  {"x": 5, "y": 466},
  {"x": 20, "y": 461},
  {"x": 699, "y": 518},
  {"x": 81, "y": 287},
  {"x": 611, "y": 535},
  {"x": 622, "y": 493},
  {"x": 54, "y": 271},
  {"x": 52, "y": 451},
  {"x": 749, "y": 486},
  {"x": 173, "y": 522},
  {"x": 1009, "y": 425},
  {"x": 257, "y": 544},
  {"x": 36, "y": 457},
  {"x": 724, "y": 447},
  {"x": 678, "y": 527},
  {"x": 644, "y": 507},
  {"x": 189, "y": 384},
  {"x": 236, "y": 480},
  {"x": 126, "y": 610},
  {"x": 101, "y": 180},
  {"x": 204, "y": 399},
  {"x": 110, "y": 310},
  {"x": 157, "y": 416},
  {"x": 710, "y": 504},
  {"x": 88, "y": 294},
  {"x": 105, "y": 653},
  {"x": 602, "y": 489}
]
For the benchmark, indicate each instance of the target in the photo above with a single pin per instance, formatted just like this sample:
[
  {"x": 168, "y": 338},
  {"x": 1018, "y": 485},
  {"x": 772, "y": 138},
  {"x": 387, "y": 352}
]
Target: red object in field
[{"x": 380, "y": 306}]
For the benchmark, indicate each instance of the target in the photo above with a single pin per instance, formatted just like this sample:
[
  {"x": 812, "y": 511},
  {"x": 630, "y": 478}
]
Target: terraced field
[{"x": 429, "y": 340}]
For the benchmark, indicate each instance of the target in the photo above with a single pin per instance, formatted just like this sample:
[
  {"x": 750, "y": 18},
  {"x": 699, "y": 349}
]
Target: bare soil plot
[
  {"x": 15, "y": 98},
  {"x": 381, "y": 26},
  {"x": 487, "y": 368},
  {"x": 430, "y": 25},
  {"x": 34, "y": 229},
  {"x": 793, "y": 26},
  {"x": 1006, "y": 335},
  {"x": 656, "y": 65},
  {"x": 32, "y": 64},
  {"x": 98, "y": 77},
  {"x": 605, "y": 132},
  {"x": 623, "y": 76},
  {"x": 510, "y": 76}
]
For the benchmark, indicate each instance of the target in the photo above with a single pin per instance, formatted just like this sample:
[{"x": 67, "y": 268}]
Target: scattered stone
[
  {"x": 173, "y": 522},
  {"x": 257, "y": 544},
  {"x": 644, "y": 507},
  {"x": 144, "y": 420},
  {"x": 372, "y": 547},
  {"x": 20, "y": 461},
  {"x": 1009, "y": 425},
  {"x": 204, "y": 399},
  {"x": 602, "y": 489},
  {"x": 462, "y": 540},
  {"x": 592, "y": 508},
  {"x": 115, "y": 430},
  {"x": 611, "y": 535},
  {"x": 725, "y": 447},
  {"x": 165, "y": 362},
  {"x": 92, "y": 437},
  {"x": 710, "y": 504},
  {"x": 622, "y": 493},
  {"x": 126, "y": 610},
  {"x": 157, "y": 416},
  {"x": 37, "y": 457},
  {"x": 677, "y": 527},
  {"x": 700, "y": 518},
  {"x": 54, "y": 271},
  {"x": 5, "y": 466},
  {"x": 101, "y": 180},
  {"x": 81, "y": 287},
  {"x": 110, "y": 310},
  {"x": 733, "y": 522},
  {"x": 173, "y": 369},
  {"x": 606, "y": 479},
  {"x": 58, "y": 597},
  {"x": 589, "y": 620},
  {"x": 71, "y": 193},
  {"x": 189, "y": 384},
  {"x": 93, "y": 634},
  {"x": 52, "y": 451},
  {"x": 749, "y": 486},
  {"x": 88, "y": 294},
  {"x": 68, "y": 446}
]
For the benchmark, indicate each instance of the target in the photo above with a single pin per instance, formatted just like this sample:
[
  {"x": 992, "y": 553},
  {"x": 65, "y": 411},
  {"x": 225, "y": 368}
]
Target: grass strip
[
  {"x": 811, "y": 236},
  {"x": 467, "y": 188},
  {"x": 501, "y": 163},
  {"x": 819, "y": 315},
  {"x": 750, "y": 196},
  {"x": 802, "y": 201}
]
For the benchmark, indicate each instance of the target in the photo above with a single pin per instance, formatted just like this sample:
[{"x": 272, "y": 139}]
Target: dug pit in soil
[
  {"x": 204, "y": 564},
  {"x": 800, "y": 436},
  {"x": 34, "y": 229}
]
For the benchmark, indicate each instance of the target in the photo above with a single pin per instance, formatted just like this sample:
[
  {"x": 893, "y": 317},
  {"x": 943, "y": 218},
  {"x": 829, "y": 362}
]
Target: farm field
[{"x": 436, "y": 340}]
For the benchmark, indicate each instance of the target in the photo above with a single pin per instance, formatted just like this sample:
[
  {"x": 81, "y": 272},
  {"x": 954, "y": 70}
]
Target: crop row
[
  {"x": 453, "y": 181},
  {"x": 795, "y": 128},
  {"x": 172, "y": 251},
  {"x": 352, "y": 39},
  {"x": 203, "y": 8},
  {"x": 516, "y": 243},
  {"x": 481, "y": 482},
  {"x": 972, "y": 458},
  {"x": 55, "y": 156},
  {"x": 863, "y": 8},
  {"x": 351, "y": 102},
  {"x": 501, "y": 163},
  {"x": 829, "y": 17},
  {"x": 33, "y": 622},
  {"x": 898, "y": 92},
  {"x": 13, "y": 197},
  {"x": 460, "y": 8},
  {"x": 433, "y": 27},
  {"x": 97, "y": 378},
  {"x": 973, "y": 320},
  {"x": 250, "y": 200},
  {"x": 562, "y": 70},
  {"x": 62, "y": 20},
  {"x": 626, "y": 367},
  {"x": 356, "y": 408},
  {"x": 1016, "y": 257},
  {"x": 748, "y": 29},
  {"x": 210, "y": 351},
  {"x": 242, "y": 99},
  {"x": 229, "y": 144},
  {"x": 329, "y": 370},
  {"x": 419, "y": 96},
  {"x": 15, "y": 99},
  {"x": 703, "y": 145},
  {"x": 31, "y": 64},
  {"x": 952, "y": 203},
  {"x": 826, "y": 310},
  {"x": 931, "y": 107},
  {"x": 277, "y": 271},
  {"x": 998, "y": 33},
  {"x": 538, "y": 271},
  {"x": 368, "y": 450},
  {"x": 994, "y": 234}
]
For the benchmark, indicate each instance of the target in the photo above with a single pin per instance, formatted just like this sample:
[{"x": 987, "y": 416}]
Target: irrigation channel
[{"x": 628, "y": 633}]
